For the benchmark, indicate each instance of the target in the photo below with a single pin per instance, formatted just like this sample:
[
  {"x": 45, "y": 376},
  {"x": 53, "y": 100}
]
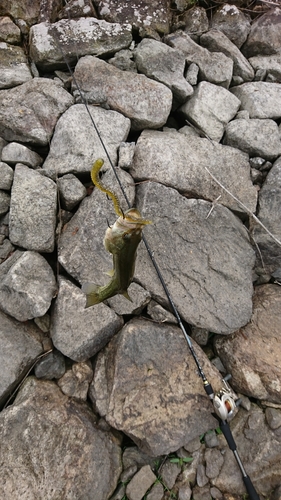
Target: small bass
[{"x": 121, "y": 240}]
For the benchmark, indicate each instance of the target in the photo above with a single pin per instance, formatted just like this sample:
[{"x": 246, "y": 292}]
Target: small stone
[
  {"x": 201, "y": 477},
  {"x": 200, "y": 335},
  {"x": 75, "y": 382},
  {"x": 169, "y": 473},
  {"x": 126, "y": 154},
  {"x": 6, "y": 176},
  {"x": 140, "y": 483},
  {"x": 128, "y": 473},
  {"x": 15, "y": 153},
  {"x": 211, "y": 439},
  {"x": 214, "y": 462},
  {"x": 273, "y": 418},
  {"x": 192, "y": 74},
  {"x": 51, "y": 366},
  {"x": 9, "y": 31},
  {"x": 216, "y": 493},
  {"x": 43, "y": 323},
  {"x": 140, "y": 298},
  {"x": 4, "y": 202},
  {"x": 5, "y": 249},
  {"x": 159, "y": 314},
  {"x": 71, "y": 191},
  {"x": 184, "y": 492}
]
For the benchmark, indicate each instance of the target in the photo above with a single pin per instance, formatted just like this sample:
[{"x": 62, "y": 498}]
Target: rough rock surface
[
  {"x": 265, "y": 35},
  {"x": 77, "y": 332},
  {"x": 20, "y": 346},
  {"x": 15, "y": 153},
  {"x": 75, "y": 145},
  {"x": 33, "y": 210},
  {"x": 229, "y": 19},
  {"x": 132, "y": 94},
  {"x": 29, "y": 112},
  {"x": 253, "y": 355},
  {"x": 147, "y": 394},
  {"x": 14, "y": 68},
  {"x": 260, "y": 99},
  {"x": 58, "y": 433}
]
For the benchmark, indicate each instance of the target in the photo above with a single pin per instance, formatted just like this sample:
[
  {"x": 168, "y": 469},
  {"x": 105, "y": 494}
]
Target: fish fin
[
  {"x": 110, "y": 273},
  {"x": 92, "y": 294},
  {"x": 127, "y": 296}
]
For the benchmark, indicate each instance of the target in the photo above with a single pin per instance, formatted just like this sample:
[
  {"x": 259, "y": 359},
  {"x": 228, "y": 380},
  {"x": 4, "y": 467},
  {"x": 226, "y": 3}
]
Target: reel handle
[{"x": 250, "y": 489}]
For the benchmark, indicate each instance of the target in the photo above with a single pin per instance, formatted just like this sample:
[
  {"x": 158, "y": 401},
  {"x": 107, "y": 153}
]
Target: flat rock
[
  {"x": 260, "y": 99},
  {"x": 14, "y": 68},
  {"x": 77, "y": 332},
  {"x": 206, "y": 261},
  {"x": 265, "y": 35},
  {"x": 26, "y": 291},
  {"x": 20, "y": 346},
  {"x": 75, "y": 145},
  {"x": 253, "y": 355},
  {"x": 232, "y": 22},
  {"x": 143, "y": 14},
  {"x": 29, "y": 112},
  {"x": 214, "y": 67},
  {"x": 15, "y": 153},
  {"x": 255, "y": 137},
  {"x": 73, "y": 38},
  {"x": 217, "y": 41},
  {"x": 143, "y": 392},
  {"x": 80, "y": 247},
  {"x": 269, "y": 213},
  {"x": 187, "y": 157},
  {"x": 210, "y": 108},
  {"x": 54, "y": 429},
  {"x": 164, "y": 64},
  {"x": 33, "y": 210},
  {"x": 132, "y": 94}
]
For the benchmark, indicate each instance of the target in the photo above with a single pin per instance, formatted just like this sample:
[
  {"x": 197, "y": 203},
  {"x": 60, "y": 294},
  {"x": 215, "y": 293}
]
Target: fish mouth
[{"x": 133, "y": 216}]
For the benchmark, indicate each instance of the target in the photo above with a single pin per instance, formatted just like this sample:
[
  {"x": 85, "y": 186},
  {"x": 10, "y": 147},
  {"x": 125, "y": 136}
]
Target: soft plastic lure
[{"x": 121, "y": 240}]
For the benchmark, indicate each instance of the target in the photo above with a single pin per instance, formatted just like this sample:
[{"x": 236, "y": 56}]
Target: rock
[
  {"x": 9, "y": 31},
  {"x": 134, "y": 95},
  {"x": 77, "y": 332},
  {"x": 6, "y": 176},
  {"x": 73, "y": 38},
  {"x": 201, "y": 477},
  {"x": 140, "y": 298},
  {"x": 159, "y": 314},
  {"x": 28, "y": 287},
  {"x": 217, "y": 41},
  {"x": 75, "y": 145},
  {"x": 15, "y": 153},
  {"x": 43, "y": 322},
  {"x": 124, "y": 60},
  {"x": 195, "y": 21},
  {"x": 201, "y": 493},
  {"x": 14, "y": 68},
  {"x": 214, "y": 462},
  {"x": 156, "y": 492},
  {"x": 33, "y": 210},
  {"x": 29, "y": 112},
  {"x": 184, "y": 492},
  {"x": 260, "y": 99},
  {"x": 133, "y": 456},
  {"x": 4, "y": 202},
  {"x": 147, "y": 14},
  {"x": 6, "y": 248},
  {"x": 75, "y": 382},
  {"x": 75, "y": 9},
  {"x": 26, "y": 11},
  {"x": 164, "y": 64},
  {"x": 210, "y": 108},
  {"x": 80, "y": 248},
  {"x": 169, "y": 474},
  {"x": 210, "y": 438},
  {"x": 51, "y": 366},
  {"x": 71, "y": 191},
  {"x": 252, "y": 355},
  {"x": 152, "y": 387},
  {"x": 255, "y": 137},
  {"x": 265, "y": 35},
  {"x": 233, "y": 23},
  {"x": 61, "y": 429},
  {"x": 140, "y": 483},
  {"x": 192, "y": 74},
  {"x": 187, "y": 158},
  {"x": 214, "y": 67},
  {"x": 255, "y": 444},
  {"x": 269, "y": 65},
  {"x": 126, "y": 154},
  {"x": 20, "y": 346},
  {"x": 209, "y": 268},
  {"x": 269, "y": 213},
  {"x": 273, "y": 418}
]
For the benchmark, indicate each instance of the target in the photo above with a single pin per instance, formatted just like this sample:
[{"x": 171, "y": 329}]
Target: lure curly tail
[{"x": 96, "y": 181}]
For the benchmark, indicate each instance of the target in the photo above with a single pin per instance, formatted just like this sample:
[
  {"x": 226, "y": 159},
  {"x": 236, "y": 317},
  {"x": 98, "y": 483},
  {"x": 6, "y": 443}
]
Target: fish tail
[
  {"x": 92, "y": 294},
  {"x": 96, "y": 181}
]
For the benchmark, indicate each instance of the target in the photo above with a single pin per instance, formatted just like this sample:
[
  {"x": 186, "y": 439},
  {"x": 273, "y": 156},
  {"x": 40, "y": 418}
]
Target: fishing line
[{"x": 223, "y": 401}]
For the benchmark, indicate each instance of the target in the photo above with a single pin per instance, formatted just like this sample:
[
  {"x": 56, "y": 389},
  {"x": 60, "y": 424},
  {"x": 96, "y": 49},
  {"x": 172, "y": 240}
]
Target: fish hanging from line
[{"x": 121, "y": 240}]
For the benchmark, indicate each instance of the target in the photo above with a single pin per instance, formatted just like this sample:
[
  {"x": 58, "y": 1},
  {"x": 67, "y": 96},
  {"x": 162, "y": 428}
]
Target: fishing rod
[{"x": 223, "y": 400}]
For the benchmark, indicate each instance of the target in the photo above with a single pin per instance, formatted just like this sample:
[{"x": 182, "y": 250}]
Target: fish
[{"x": 121, "y": 240}]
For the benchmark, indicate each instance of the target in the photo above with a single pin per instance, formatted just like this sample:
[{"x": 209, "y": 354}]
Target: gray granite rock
[
  {"x": 195, "y": 21},
  {"x": 6, "y": 248},
  {"x": 260, "y": 99},
  {"x": 29, "y": 112},
  {"x": 33, "y": 210},
  {"x": 217, "y": 41},
  {"x": 71, "y": 190},
  {"x": 77, "y": 332},
  {"x": 6, "y": 176},
  {"x": 210, "y": 108},
  {"x": 20, "y": 346},
  {"x": 27, "y": 289},
  {"x": 214, "y": 67},
  {"x": 14, "y": 68},
  {"x": 187, "y": 157},
  {"x": 73, "y": 38},
  {"x": 75, "y": 382},
  {"x": 270, "y": 66},
  {"x": 134, "y": 95},
  {"x": 164, "y": 64},
  {"x": 232, "y": 22},
  {"x": 75, "y": 145},
  {"x": 9, "y": 31},
  {"x": 265, "y": 35},
  {"x": 53, "y": 430},
  {"x": 4, "y": 202},
  {"x": 255, "y": 137},
  {"x": 15, "y": 153},
  {"x": 51, "y": 366}
]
